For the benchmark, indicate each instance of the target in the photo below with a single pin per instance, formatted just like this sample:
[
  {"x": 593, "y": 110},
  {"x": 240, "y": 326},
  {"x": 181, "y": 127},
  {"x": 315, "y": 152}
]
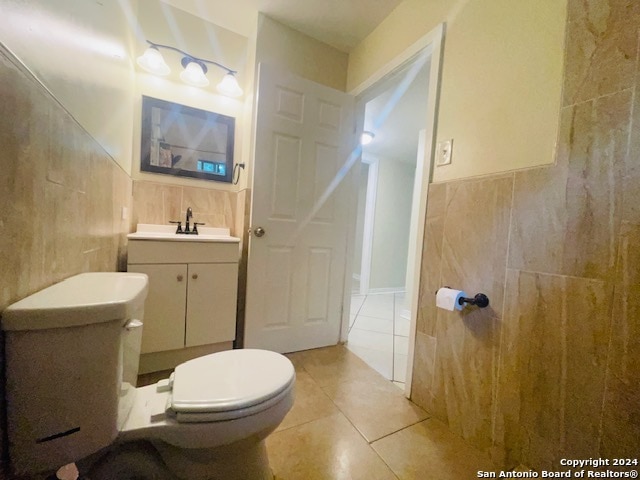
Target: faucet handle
[
  {"x": 179, "y": 229},
  {"x": 195, "y": 227}
]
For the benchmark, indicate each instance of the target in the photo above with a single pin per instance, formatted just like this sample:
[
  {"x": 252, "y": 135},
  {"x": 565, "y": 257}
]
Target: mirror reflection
[{"x": 186, "y": 141}]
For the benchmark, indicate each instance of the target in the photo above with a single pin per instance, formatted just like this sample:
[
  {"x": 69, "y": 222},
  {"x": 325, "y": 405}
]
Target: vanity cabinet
[{"x": 192, "y": 292}]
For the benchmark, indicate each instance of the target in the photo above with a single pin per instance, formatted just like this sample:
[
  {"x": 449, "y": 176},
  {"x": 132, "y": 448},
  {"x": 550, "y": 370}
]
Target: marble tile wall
[
  {"x": 551, "y": 369},
  {"x": 161, "y": 203},
  {"x": 61, "y": 195}
]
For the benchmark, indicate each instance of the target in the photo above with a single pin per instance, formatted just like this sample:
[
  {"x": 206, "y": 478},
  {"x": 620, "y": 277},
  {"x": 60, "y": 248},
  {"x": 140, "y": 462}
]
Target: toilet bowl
[
  {"x": 72, "y": 355},
  {"x": 211, "y": 417}
]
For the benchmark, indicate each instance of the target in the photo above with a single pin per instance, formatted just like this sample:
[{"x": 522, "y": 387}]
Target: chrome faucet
[{"x": 189, "y": 215}]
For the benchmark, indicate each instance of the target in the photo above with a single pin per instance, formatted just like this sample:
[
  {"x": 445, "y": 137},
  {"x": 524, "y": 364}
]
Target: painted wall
[
  {"x": 61, "y": 194},
  {"x": 391, "y": 224},
  {"x": 81, "y": 51},
  {"x": 501, "y": 77},
  {"x": 164, "y": 24},
  {"x": 550, "y": 370},
  {"x": 280, "y": 45}
]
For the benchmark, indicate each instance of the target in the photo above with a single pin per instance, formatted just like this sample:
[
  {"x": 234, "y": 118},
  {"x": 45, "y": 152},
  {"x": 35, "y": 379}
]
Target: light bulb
[
  {"x": 366, "y": 138},
  {"x": 151, "y": 61},
  {"x": 229, "y": 86},
  {"x": 193, "y": 75}
]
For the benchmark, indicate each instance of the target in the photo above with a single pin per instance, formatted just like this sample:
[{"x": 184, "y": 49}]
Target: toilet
[{"x": 72, "y": 355}]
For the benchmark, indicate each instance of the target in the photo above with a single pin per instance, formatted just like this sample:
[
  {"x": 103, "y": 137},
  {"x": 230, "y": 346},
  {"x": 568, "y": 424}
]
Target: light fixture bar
[{"x": 197, "y": 59}]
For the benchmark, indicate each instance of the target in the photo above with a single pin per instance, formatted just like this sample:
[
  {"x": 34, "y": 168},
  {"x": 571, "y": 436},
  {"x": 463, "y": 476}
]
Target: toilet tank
[{"x": 71, "y": 364}]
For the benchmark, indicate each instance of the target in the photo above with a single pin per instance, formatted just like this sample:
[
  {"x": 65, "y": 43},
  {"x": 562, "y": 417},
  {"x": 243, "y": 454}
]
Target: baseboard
[
  {"x": 373, "y": 291},
  {"x": 356, "y": 276}
]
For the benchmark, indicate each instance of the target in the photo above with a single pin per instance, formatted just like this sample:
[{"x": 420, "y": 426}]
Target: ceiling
[
  {"x": 396, "y": 122},
  {"x": 343, "y": 24}
]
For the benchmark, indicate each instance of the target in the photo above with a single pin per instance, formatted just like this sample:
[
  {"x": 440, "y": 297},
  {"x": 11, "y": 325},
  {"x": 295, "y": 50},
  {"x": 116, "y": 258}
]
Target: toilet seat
[{"x": 229, "y": 385}]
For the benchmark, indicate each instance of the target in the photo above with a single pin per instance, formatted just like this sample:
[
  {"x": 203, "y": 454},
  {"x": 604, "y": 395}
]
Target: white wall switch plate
[
  {"x": 443, "y": 153},
  {"x": 125, "y": 213}
]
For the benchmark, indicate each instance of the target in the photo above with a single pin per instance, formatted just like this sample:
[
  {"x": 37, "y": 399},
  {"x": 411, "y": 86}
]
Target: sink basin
[{"x": 146, "y": 231}]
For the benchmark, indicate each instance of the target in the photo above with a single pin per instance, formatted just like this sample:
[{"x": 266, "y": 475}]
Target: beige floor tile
[
  {"x": 375, "y": 407},
  {"x": 429, "y": 451},
  {"x": 325, "y": 449},
  {"x": 311, "y": 403},
  {"x": 331, "y": 365},
  {"x": 297, "y": 360}
]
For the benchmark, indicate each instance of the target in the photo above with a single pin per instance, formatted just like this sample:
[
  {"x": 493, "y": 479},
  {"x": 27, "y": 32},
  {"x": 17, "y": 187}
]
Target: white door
[{"x": 295, "y": 285}]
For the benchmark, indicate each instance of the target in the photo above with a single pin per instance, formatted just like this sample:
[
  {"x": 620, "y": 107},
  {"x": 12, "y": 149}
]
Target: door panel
[
  {"x": 286, "y": 157},
  {"x": 304, "y": 136}
]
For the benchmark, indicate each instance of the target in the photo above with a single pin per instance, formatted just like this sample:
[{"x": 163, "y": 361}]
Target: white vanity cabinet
[{"x": 192, "y": 297}]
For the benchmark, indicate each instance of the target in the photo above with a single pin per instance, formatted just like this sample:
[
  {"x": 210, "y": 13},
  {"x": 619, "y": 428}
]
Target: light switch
[{"x": 443, "y": 154}]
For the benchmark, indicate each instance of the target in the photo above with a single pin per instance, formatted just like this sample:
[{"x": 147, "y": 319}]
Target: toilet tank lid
[{"x": 79, "y": 300}]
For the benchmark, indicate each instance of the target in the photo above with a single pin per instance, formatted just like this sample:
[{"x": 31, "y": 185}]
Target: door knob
[
  {"x": 194, "y": 276},
  {"x": 259, "y": 231},
  {"x": 180, "y": 278}
]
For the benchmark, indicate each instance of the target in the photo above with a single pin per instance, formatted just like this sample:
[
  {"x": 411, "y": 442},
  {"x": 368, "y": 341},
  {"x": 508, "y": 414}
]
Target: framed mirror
[{"x": 186, "y": 141}]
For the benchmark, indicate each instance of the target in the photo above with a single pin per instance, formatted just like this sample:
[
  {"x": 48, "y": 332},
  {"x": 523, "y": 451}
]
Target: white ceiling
[{"x": 339, "y": 23}]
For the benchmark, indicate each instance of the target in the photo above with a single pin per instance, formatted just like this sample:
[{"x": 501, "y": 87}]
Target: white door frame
[
  {"x": 432, "y": 43},
  {"x": 369, "y": 221}
]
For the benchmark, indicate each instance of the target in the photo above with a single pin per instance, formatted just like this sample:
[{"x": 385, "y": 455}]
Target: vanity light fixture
[
  {"x": 366, "y": 137},
  {"x": 194, "y": 72}
]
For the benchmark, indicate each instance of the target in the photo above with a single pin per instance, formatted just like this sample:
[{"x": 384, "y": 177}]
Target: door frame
[
  {"x": 432, "y": 43},
  {"x": 369, "y": 219}
]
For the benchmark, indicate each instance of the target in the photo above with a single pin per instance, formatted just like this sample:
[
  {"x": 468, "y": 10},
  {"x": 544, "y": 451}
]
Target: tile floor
[
  {"x": 349, "y": 422},
  {"x": 379, "y": 334}
]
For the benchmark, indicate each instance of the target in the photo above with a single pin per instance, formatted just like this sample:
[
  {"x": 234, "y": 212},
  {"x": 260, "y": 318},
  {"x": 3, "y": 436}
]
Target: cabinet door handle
[
  {"x": 180, "y": 277},
  {"x": 194, "y": 276}
]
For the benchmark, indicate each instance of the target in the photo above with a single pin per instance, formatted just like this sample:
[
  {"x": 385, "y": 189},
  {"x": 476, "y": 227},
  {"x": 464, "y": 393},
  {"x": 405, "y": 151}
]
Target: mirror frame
[{"x": 176, "y": 109}]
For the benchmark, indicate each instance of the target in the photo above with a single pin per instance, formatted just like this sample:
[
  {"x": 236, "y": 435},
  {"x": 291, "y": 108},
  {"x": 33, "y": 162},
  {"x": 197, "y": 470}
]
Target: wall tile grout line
[{"x": 495, "y": 408}]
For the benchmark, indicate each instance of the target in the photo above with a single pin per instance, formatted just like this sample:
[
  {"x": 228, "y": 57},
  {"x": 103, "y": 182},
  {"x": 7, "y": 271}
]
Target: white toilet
[{"x": 72, "y": 355}]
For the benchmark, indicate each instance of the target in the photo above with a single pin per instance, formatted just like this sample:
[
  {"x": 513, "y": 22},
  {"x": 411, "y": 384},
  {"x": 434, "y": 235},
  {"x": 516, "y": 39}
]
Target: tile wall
[
  {"x": 550, "y": 370},
  {"x": 161, "y": 203},
  {"x": 61, "y": 195}
]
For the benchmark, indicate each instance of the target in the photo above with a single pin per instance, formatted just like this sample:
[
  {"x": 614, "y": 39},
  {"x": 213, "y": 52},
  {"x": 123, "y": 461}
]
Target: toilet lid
[{"x": 229, "y": 380}]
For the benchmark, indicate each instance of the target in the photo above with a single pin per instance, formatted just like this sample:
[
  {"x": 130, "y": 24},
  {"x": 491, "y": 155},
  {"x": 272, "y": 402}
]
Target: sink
[{"x": 147, "y": 231}]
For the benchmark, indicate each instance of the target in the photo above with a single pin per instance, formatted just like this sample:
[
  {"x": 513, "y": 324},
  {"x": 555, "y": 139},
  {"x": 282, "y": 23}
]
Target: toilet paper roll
[{"x": 447, "y": 299}]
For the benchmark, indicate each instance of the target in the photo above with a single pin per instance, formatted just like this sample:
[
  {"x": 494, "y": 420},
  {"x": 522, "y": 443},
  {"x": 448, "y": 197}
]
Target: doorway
[
  {"x": 380, "y": 318},
  {"x": 397, "y": 105}
]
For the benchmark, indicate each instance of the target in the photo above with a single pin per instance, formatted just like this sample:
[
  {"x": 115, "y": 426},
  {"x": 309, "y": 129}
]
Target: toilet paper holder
[{"x": 480, "y": 300}]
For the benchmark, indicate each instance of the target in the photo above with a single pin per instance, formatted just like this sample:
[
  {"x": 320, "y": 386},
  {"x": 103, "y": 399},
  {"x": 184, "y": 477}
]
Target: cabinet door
[
  {"x": 211, "y": 303},
  {"x": 165, "y": 306}
]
